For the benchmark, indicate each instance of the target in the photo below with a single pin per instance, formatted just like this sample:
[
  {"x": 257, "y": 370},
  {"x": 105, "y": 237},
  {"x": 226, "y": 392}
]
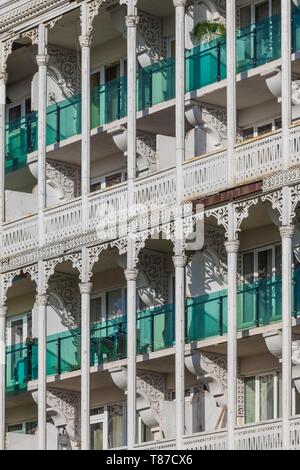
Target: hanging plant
[{"x": 208, "y": 30}]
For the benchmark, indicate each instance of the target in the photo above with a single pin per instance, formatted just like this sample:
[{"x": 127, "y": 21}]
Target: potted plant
[{"x": 207, "y": 30}]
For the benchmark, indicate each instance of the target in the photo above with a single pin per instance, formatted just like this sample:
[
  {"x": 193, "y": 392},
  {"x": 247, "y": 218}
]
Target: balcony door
[
  {"x": 260, "y": 296},
  {"x": 263, "y": 397},
  {"x": 18, "y": 329},
  {"x": 259, "y": 39}
]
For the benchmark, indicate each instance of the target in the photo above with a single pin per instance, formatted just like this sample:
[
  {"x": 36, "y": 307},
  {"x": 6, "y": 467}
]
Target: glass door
[
  {"x": 19, "y": 328},
  {"x": 98, "y": 430},
  {"x": 112, "y": 95}
]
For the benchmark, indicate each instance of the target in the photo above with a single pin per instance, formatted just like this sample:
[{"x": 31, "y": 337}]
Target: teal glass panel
[
  {"x": 259, "y": 303},
  {"x": 108, "y": 340},
  {"x": 206, "y": 316},
  {"x": 295, "y": 28},
  {"x": 156, "y": 83},
  {"x": 205, "y": 64},
  {"x": 19, "y": 367},
  {"x": 21, "y": 138},
  {"x": 109, "y": 102},
  {"x": 296, "y": 293},
  {"x": 63, "y": 119},
  {"x": 155, "y": 329},
  {"x": 258, "y": 43}
]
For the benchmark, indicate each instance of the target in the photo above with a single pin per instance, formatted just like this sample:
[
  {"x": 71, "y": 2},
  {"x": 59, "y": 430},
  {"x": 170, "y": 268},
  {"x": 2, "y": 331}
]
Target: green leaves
[{"x": 208, "y": 29}]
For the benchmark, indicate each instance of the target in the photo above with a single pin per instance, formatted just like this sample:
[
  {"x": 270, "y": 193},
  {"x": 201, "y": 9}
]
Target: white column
[
  {"x": 85, "y": 290},
  {"x": 180, "y": 262},
  {"x": 3, "y": 312},
  {"x": 131, "y": 277},
  {"x": 41, "y": 303},
  {"x": 286, "y": 233},
  {"x": 3, "y": 80},
  {"x": 286, "y": 48},
  {"x": 85, "y": 42},
  {"x": 231, "y": 84},
  {"x": 180, "y": 95},
  {"x": 232, "y": 248},
  {"x": 42, "y": 61},
  {"x": 131, "y": 272}
]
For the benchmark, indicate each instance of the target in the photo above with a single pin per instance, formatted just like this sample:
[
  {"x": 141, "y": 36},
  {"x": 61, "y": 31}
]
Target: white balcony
[
  {"x": 260, "y": 436},
  {"x": 203, "y": 176}
]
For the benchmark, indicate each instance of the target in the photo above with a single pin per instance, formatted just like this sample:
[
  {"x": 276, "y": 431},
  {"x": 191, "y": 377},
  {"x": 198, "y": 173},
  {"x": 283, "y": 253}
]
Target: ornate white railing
[
  {"x": 216, "y": 440},
  {"x": 202, "y": 176},
  {"x": 159, "y": 189},
  {"x": 160, "y": 445},
  {"x": 106, "y": 205},
  {"x": 295, "y": 145},
  {"x": 21, "y": 235},
  {"x": 63, "y": 221},
  {"x": 205, "y": 175},
  {"x": 258, "y": 158},
  {"x": 295, "y": 433},
  {"x": 261, "y": 436}
]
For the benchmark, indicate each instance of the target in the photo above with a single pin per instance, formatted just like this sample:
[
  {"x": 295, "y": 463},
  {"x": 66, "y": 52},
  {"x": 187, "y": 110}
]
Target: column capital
[
  {"x": 85, "y": 287},
  {"x": 41, "y": 300},
  {"x": 3, "y": 77},
  {"x": 232, "y": 246},
  {"x": 131, "y": 274},
  {"x": 287, "y": 231},
  {"x": 3, "y": 311},
  {"x": 85, "y": 40},
  {"x": 179, "y": 3},
  {"x": 42, "y": 60},
  {"x": 180, "y": 261},
  {"x": 132, "y": 21}
]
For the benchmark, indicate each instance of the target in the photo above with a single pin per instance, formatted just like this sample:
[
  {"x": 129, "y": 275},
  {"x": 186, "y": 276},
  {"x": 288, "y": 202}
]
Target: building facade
[{"x": 150, "y": 224}]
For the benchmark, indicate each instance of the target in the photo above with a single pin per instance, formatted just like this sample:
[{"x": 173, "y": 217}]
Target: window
[
  {"x": 19, "y": 328},
  {"x": 262, "y": 397},
  {"x": 107, "y": 181},
  {"x": 259, "y": 130},
  {"x": 108, "y": 305},
  {"x": 108, "y": 426},
  {"x": 17, "y": 110},
  {"x": 258, "y": 11},
  {"x": 26, "y": 427}
]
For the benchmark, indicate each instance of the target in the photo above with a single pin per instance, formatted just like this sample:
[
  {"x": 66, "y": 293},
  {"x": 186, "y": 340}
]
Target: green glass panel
[
  {"x": 108, "y": 340},
  {"x": 206, "y": 316},
  {"x": 21, "y": 138},
  {"x": 155, "y": 329},
  {"x": 63, "y": 119},
  {"x": 156, "y": 83},
  {"x": 18, "y": 367},
  {"x": 295, "y": 28},
  {"x": 205, "y": 64},
  {"x": 258, "y": 44}
]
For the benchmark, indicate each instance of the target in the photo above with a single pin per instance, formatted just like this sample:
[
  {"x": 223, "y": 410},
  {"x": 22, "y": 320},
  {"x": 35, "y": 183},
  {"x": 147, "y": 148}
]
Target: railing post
[
  {"x": 59, "y": 356},
  {"x": 218, "y": 61},
  {"x": 254, "y": 47},
  {"x": 220, "y": 302}
]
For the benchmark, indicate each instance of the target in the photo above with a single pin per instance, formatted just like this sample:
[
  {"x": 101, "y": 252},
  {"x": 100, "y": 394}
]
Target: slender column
[
  {"x": 180, "y": 95},
  {"x": 131, "y": 277},
  {"x": 180, "y": 262},
  {"x": 41, "y": 302},
  {"x": 286, "y": 233},
  {"x": 42, "y": 61},
  {"x": 286, "y": 78},
  {"x": 85, "y": 290},
  {"x": 232, "y": 248},
  {"x": 131, "y": 22},
  {"x": 85, "y": 42},
  {"x": 131, "y": 272},
  {"x": 3, "y": 80},
  {"x": 231, "y": 84},
  {"x": 3, "y": 312}
]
